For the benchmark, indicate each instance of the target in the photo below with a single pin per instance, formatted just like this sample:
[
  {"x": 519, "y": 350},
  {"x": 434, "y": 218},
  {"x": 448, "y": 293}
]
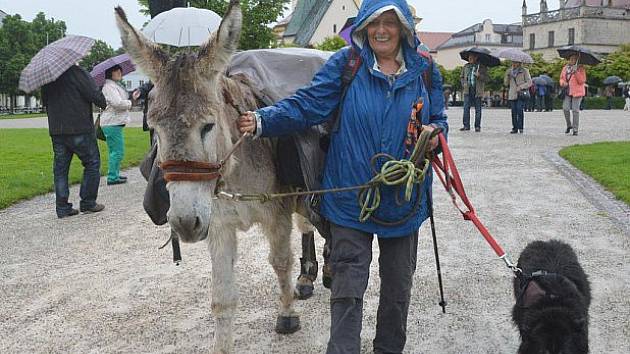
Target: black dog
[{"x": 552, "y": 299}]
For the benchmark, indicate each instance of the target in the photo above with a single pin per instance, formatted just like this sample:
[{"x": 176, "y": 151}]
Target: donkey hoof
[
  {"x": 287, "y": 324},
  {"x": 303, "y": 291}
]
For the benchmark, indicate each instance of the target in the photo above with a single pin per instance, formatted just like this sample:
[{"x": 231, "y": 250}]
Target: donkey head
[{"x": 187, "y": 112}]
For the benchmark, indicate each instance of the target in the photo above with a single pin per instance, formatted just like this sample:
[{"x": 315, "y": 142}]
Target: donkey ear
[
  {"x": 214, "y": 55},
  {"x": 146, "y": 54}
]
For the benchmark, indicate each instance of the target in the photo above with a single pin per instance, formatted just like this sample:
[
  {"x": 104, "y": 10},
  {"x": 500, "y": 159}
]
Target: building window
[
  {"x": 141, "y": 82},
  {"x": 343, "y": 7},
  {"x": 552, "y": 35},
  {"x": 532, "y": 41},
  {"x": 571, "y": 36},
  {"x": 488, "y": 37},
  {"x": 334, "y": 28},
  {"x": 128, "y": 84},
  {"x": 506, "y": 38}
]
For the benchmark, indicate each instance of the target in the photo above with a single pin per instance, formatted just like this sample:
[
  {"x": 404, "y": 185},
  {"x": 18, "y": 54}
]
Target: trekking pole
[{"x": 442, "y": 302}]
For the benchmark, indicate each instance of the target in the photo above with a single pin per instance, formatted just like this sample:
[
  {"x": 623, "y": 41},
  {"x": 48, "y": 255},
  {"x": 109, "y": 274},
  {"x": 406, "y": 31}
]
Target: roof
[
  {"x": 467, "y": 35},
  {"x": 434, "y": 39},
  {"x": 306, "y": 18},
  {"x": 2, "y": 16}
]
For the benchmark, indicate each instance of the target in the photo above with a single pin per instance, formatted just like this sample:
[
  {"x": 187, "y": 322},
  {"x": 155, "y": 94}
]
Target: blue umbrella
[{"x": 612, "y": 80}]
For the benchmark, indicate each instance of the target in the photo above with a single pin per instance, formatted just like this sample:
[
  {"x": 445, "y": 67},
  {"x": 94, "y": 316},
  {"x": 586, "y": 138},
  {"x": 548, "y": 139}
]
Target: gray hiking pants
[
  {"x": 572, "y": 104},
  {"x": 350, "y": 258}
]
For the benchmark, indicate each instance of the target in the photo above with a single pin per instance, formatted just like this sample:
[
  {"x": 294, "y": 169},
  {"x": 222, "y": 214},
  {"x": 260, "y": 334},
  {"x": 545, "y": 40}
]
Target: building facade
[
  {"x": 312, "y": 21},
  {"x": 486, "y": 34},
  {"x": 599, "y": 25}
]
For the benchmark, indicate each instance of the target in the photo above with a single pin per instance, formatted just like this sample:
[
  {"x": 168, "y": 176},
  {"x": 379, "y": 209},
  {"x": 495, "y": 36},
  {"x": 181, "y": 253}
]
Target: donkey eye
[{"x": 206, "y": 129}]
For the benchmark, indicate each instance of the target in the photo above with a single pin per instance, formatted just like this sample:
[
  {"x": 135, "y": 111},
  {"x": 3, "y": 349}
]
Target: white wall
[{"x": 134, "y": 80}]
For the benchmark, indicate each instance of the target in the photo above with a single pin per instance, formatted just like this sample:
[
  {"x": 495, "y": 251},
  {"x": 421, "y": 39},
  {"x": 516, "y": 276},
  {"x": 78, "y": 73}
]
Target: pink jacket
[{"x": 576, "y": 81}]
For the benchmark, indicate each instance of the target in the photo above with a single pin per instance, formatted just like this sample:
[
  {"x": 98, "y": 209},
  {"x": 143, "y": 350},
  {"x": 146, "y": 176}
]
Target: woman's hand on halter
[{"x": 247, "y": 123}]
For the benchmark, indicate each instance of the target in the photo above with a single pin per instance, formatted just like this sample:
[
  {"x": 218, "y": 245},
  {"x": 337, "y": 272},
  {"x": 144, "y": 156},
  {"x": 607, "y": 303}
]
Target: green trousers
[{"x": 116, "y": 147}]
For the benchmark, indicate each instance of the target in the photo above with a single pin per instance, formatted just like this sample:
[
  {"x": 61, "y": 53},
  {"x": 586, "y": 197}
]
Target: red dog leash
[{"x": 448, "y": 174}]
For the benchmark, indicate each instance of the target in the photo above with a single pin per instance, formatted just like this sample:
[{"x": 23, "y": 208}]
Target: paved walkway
[
  {"x": 136, "y": 121},
  {"x": 98, "y": 283}
]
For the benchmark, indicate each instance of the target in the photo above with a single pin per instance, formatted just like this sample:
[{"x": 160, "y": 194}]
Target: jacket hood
[{"x": 371, "y": 9}]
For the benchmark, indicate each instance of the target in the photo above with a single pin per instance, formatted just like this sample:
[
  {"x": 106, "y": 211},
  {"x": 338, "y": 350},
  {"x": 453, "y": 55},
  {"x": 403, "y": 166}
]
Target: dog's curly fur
[{"x": 551, "y": 313}]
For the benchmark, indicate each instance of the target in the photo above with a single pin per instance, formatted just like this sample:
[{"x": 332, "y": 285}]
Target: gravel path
[
  {"x": 42, "y": 122},
  {"x": 98, "y": 283}
]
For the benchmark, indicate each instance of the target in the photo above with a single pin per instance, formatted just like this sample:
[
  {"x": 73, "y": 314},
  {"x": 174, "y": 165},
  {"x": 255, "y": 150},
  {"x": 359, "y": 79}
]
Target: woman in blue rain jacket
[{"x": 374, "y": 118}]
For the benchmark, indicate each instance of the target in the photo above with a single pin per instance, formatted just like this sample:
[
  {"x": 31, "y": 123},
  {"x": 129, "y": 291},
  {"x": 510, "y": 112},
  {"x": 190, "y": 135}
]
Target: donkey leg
[
  {"x": 308, "y": 268},
  {"x": 281, "y": 258},
  {"x": 224, "y": 292}
]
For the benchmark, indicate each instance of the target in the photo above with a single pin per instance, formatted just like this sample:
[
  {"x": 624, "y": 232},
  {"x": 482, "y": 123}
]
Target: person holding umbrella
[
  {"x": 518, "y": 80},
  {"x": 572, "y": 81},
  {"x": 68, "y": 94},
  {"x": 473, "y": 77},
  {"x": 113, "y": 120}
]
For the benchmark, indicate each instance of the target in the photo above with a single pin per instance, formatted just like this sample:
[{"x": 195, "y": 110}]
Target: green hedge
[{"x": 595, "y": 103}]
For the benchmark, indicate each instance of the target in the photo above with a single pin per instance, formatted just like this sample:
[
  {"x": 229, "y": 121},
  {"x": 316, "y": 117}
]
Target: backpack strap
[
  {"x": 349, "y": 72},
  {"x": 427, "y": 74}
]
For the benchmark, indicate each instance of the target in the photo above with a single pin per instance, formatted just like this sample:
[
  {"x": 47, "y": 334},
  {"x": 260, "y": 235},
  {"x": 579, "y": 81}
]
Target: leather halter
[
  {"x": 190, "y": 170},
  {"x": 176, "y": 170}
]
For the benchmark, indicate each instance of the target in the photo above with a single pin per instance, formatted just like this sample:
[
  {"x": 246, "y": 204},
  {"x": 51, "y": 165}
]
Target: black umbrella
[
  {"x": 585, "y": 56},
  {"x": 612, "y": 80},
  {"x": 484, "y": 55}
]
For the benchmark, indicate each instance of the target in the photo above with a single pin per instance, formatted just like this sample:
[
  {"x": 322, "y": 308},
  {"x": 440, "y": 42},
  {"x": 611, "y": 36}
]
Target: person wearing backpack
[{"x": 374, "y": 114}]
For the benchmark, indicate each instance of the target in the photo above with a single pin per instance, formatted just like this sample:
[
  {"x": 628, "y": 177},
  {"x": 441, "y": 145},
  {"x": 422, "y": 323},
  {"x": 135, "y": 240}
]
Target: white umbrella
[
  {"x": 514, "y": 54},
  {"x": 182, "y": 26}
]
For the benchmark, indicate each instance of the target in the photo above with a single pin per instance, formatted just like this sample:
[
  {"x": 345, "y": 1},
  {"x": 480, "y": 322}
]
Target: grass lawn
[
  {"x": 26, "y": 160},
  {"x": 20, "y": 116},
  {"x": 607, "y": 163}
]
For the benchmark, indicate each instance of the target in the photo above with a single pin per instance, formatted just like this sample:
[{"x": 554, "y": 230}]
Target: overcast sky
[{"x": 95, "y": 18}]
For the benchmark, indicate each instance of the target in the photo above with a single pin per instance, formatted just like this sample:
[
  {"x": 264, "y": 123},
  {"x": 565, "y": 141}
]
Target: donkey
[{"x": 193, "y": 113}]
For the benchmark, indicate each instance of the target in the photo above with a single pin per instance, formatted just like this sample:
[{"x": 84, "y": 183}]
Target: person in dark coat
[
  {"x": 142, "y": 93},
  {"x": 68, "y": 101}
]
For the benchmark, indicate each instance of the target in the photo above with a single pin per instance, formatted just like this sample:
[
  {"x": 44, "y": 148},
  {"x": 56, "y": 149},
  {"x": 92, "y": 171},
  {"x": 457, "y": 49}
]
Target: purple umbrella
[
  {"x": 123, "y": 60},
  {"x": 53, "y": 60},
  {"x": 346, "y": 29}
]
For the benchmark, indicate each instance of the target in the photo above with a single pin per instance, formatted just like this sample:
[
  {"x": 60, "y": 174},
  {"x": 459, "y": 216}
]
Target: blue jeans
[
  {"x": 86, "y": 148},
  {"x": 517, "y": 114},
  {"x": 469, "y": 100}
]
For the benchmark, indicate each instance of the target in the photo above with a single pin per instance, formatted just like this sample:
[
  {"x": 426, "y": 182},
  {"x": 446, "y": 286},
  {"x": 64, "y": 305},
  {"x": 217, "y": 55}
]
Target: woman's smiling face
[{"x": 384, "y": 34}]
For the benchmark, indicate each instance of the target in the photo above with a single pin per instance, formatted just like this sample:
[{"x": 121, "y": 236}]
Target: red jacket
[{"x": 576, "y": 81}]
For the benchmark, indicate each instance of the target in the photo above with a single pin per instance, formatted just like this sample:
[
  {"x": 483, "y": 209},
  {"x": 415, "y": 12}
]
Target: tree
[
  {"x": 19, "y": 42},
  {"x": 331, "y": 44},
  {"x": 257, "y": 16},
  {"x": 99, "y": 52},
  {"x": 616, "y": 63}
]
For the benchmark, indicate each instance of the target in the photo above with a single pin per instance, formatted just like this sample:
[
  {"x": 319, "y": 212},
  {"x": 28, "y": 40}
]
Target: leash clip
[{"x": 513, "y": 267}]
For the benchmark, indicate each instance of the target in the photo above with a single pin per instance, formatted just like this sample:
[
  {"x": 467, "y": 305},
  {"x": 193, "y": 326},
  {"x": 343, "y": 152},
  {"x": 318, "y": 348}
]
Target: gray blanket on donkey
[{"x": 273, "y": 74}]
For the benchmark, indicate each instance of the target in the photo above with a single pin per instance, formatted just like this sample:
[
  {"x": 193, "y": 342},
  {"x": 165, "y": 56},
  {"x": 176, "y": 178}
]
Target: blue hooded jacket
[{"x": 373, "y": 120}]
